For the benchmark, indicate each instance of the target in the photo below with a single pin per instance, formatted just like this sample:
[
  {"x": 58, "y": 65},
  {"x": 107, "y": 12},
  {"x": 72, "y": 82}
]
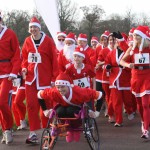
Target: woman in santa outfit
[
  {"x": 9, "y": 66},
  {"x": 99, "y": 70},
  {"x": 40, "y": 67},
  {"x": 105, "y": 75},
  {"x": 119, "y": 79},
  {"x": 139, "y": 56},
  {"x": 94, "y": 42},
  {"x": 69, "y": 97}
]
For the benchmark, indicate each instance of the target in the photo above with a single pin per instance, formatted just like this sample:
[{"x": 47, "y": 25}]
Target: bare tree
[
  {"x": 92, "y": 17},
  {"x": 67, "y": 14},
  {"x": 18, "y": 21}
]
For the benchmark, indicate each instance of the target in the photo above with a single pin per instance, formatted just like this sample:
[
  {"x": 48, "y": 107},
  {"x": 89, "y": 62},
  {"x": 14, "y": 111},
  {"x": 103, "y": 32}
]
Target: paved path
[{"x": 112, "y": 138}]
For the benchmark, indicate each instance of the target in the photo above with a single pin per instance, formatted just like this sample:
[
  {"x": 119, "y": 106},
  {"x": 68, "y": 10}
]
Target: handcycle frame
[{"x": 58, "y": 127}]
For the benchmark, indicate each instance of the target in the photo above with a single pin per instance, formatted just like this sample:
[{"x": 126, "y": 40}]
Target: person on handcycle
[{"x": 69, "y": 97}]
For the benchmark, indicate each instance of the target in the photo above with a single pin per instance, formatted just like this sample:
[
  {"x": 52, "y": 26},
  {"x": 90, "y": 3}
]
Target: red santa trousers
[
  {"x": 33, "y": 106},
  {"x": 144, "y": 109},
  {"x": 6, "y": 118},
  {"x": 118, "y": 98},
  {"x": 18, "y": 106}
]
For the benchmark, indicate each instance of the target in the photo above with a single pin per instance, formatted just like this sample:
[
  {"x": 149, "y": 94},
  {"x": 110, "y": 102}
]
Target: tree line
[{"x": 93, "y": 21}]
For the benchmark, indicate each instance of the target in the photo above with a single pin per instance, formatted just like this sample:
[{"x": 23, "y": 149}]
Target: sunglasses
[{"x": 61, "y": 39}]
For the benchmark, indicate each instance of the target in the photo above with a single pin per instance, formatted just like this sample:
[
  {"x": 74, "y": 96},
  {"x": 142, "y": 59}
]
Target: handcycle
[{"x": 58, "y": 127}]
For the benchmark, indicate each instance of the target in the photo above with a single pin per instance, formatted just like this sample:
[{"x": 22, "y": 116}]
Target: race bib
[
  {"x": 16, "y": 82},
  {"x": 34, "y": 58},
  {"x": 142, "y": 60},
  {"x": 83, "y": 82}
]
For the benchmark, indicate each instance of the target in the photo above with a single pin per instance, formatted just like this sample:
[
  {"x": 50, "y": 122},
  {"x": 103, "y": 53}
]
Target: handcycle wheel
[
  {"x": 91, "y": 133},
  {"x": 47, "y": 141}
]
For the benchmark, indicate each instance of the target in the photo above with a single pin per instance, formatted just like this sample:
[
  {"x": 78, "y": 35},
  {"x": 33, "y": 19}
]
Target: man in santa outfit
[
  {"x": 9, "y": 67},
  {"x": 40, "y": 67},
  {"x": 60, "y": 41},
  {"x": 65, "y": 57},
  {"x": 69, "y": 97}
]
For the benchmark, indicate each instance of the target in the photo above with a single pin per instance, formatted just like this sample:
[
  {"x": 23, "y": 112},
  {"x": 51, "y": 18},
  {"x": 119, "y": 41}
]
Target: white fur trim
[
  {"x": 35, "y": 24},
  {"x": 104, "y": 35},
  {"x": 61, "y": 34},
  {"x": 70, "y": 39},
  {"x": 120, "y": 40},
  {"x": 100, "y": 95},
  {"x": 80, "y": 54},
  {"x": 39, "y": 95},
  {"x": 140, "y": 33},
  {"x": 62, "y": 82},
  {"x": 82, "y": 39},
  {"x": 13, "y": 75}
]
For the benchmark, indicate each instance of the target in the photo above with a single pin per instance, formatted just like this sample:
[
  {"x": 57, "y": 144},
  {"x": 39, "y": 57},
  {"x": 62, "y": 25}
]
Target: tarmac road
[{"x": 112, "y": 138}]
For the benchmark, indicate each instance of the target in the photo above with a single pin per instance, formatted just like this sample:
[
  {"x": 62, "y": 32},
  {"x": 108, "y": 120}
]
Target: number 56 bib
[
  {"x": 142, "y": 60},
  {"x": 34, "y": 58}
]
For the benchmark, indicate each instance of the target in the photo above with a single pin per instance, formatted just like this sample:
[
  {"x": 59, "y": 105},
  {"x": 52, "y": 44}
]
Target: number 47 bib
[
  {"x": 34, "y": 58},
  {"x": 142, "y": 60}
]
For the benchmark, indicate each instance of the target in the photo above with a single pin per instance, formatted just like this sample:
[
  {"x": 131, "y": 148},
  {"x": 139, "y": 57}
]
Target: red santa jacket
[
  {"x": 43, "y": 72},
  {"x": 102, "y": 56},
  {"x": 77, "y": 96},
  {"x": 10, "y": 61},
  {"x": 100, "y": 70},
  {"x": 119, "y": 77}
]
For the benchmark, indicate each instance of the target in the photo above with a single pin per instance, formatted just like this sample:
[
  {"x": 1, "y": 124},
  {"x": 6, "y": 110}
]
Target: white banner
[{"x": 48, "y": 11}]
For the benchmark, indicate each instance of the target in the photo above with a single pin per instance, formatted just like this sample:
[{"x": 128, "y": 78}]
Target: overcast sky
[{"x": 109, "y": 6}]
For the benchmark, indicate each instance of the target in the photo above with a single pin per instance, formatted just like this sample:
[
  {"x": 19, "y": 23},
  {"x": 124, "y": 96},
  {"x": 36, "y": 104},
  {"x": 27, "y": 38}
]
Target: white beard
[
  {"x": 60, "y": 45},
  {"x": 68, "y": 52}
]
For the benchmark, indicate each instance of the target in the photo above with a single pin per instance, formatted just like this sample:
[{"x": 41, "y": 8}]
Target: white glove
[
  {"x": 92, "y": 114},
  {"x": 47, "y": 112}
]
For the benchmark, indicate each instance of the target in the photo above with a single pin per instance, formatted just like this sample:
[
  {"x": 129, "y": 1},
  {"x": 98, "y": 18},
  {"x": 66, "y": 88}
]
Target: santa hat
[
  {"x": 63, "y": 79},
  {"x": 70, "y": 36},
  {"x": 131, "y": 31},
  {"x": 143, "y": 32},
  {"x": 61, "y": 34},
  {"x": 94, "y": 38},
  {"x": 35, "y": 22},
  {"x": 79, "y": 51},
  {"x": 82, "y": 37},
  {"x": 105, "y": 34}
]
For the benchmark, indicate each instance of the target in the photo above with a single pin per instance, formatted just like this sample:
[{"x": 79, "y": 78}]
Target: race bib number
[
  {"x": 34, "y": 58},
  {"x": 142, "y": 60},
  {"x": 83, "y": 82},
  {"x": 17, "y": 82}
]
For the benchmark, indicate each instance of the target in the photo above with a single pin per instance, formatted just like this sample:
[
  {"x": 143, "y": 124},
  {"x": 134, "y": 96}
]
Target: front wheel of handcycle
[
  {"x": 91, "y": 133},
  {"x": 47, "y": 141}
]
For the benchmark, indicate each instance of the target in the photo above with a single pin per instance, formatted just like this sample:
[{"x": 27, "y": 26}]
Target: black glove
[
  {"x": 108, "y": 67},
  {"x": 117, "y": 35}
]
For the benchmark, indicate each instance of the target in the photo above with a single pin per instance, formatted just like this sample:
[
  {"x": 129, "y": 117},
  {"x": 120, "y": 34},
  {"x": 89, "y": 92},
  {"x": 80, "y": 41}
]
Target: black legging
[
  {"x": 67, "y": 112},
  {"x": 100, "y": 101}
]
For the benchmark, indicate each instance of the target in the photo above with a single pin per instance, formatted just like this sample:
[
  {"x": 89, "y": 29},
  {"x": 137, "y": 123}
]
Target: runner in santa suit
[
  {"x": 60, "y": 41},
  {"x": 94, "y": 42},
  {"x": 139, "y": 56},
  {"x": 18, "y": 105},
  {"x": 40, "y": 67},
  {"x": 69, "y": 98},
  {"x": 105, "y": 75},
  {"x": 82, "y": 42},
  {"x": 82, "y": 75},
  {"x": 99, "y": 71},
  {"x": 120, "y": 86},
  {"x": 65, "y": 57},
  {"x": 9, "y": 66}
]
